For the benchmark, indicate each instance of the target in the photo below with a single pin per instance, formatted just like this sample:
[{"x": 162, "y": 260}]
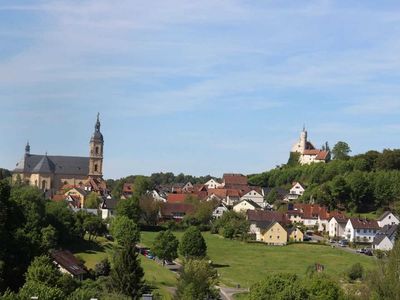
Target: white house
[
  {"x": 219, "y": 211},
  {"x": 254, "y": 196},
  {"x": 108, "y": 206},
  {"x": 245, "y": 205},
  {"x": 336, "y": 226},
  {"x": 388, "y": 218},
  {"x": 385, "y": 238},
  {"x": 360, "y": 230},
  {"x": 158, "y": 196},
  {"x": 213, "y": 184}
]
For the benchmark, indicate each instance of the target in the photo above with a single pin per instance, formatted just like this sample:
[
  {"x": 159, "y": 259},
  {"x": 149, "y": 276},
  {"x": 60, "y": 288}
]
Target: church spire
[
  {"x": 97, "y": 126},
  {"x": 27, "y": 148}
]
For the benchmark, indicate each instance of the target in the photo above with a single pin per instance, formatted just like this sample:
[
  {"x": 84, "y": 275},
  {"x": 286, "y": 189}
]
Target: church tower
[
  {"x": 96, "y": 152},
  {"x": 303, "y": 139}
]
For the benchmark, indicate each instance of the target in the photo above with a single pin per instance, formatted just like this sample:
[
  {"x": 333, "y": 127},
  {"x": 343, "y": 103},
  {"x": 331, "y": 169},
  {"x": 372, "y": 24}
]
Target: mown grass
[
  {"x": 156, "y": 276},
  {"x": 246, "y": 263}
]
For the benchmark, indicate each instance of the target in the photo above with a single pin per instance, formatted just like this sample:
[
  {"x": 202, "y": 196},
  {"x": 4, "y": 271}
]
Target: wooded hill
[{"x": 361, "y": 183}]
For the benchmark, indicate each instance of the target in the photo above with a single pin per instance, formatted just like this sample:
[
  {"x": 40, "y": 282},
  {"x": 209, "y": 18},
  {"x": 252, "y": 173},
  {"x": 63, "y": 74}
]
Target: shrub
[{"x": 355, "y": 272}]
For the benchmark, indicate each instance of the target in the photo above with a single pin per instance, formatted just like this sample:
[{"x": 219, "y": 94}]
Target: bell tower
[{"x": 96, "y": 151}]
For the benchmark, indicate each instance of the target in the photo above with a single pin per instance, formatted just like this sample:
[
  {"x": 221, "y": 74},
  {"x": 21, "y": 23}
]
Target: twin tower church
[{"x": 50, "y": 173}]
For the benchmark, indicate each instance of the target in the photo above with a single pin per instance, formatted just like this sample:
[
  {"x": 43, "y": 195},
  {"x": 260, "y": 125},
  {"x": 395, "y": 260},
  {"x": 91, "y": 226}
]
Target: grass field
[
  {"x": 244, "y": 264},
  {"x": 156, "y": 276}
]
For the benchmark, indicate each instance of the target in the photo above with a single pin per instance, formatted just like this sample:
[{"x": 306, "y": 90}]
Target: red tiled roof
[
  {"x": 364, "y": 223},
  {"x": 312, "y": 211},
  {"x": 58, "y": 198},
  {"x": 176, "y": 198},
  {"x": 234, "y": 179},
  {"x": 127, "y": 188},
  {"x": 322, "y": 155}
]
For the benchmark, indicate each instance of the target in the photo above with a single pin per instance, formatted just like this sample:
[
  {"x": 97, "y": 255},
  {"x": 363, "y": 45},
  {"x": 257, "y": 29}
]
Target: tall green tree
[
  {"x": 92, "y": 201},
  {"x": 341, "y": 150},
  {"x": 197, "y": 281},
  {"x": 192, "y": 244},
  {"x": 165, "y": 246},
  {"x": 127, "y": 273},
  {"x": 129, "y": 208},
  {"x": 125, "y": 231}
]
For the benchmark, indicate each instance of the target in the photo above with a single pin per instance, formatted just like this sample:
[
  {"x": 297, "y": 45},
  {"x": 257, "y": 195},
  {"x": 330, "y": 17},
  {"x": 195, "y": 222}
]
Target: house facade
[
  {"x": 219, "y": 211},
  {"x": 388, "y": 218},
  {"x": 295, "y": 235},
  {"x": 360, "y": 230},
  {"x": 274, "y": 234},
  {"x": 336, "y": 226},
  {"x": 254, "y": 196}
]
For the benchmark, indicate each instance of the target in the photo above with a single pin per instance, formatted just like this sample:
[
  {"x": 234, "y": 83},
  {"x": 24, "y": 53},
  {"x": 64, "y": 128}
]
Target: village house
[
  {"x": 174, "y": 211},
  {"x": 77, "y": 196},
  {"x": 295, "y": 234},
  {"x": 255, "y": 195},
  {"x": 274, "y": 234},
  {"x": 219, "y": 210},
  {"x": 213, "y": 184},
  {"x": 245, "y": 205},
  {"x": 127, "y": 190},
  {"x": 295, "y": 192},
  {"x": 67, "y": 263},
  {"x": 361, "y": 230},
  {"x": 234, "y": 181},
  {"x": 228, "y": 196},
  {"x": 259, "y": 219},
  {"x": 336, "y": 226},
  {"x": 388, "y": 218},
  {"x": 385, "y": 238},
  {"x": 108, "y": 206}
]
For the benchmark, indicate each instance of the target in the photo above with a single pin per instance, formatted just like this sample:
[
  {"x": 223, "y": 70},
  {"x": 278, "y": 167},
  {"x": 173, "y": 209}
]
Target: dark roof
[
  {"x": 167, "y": 209},
  {"x": 388, "y": 231},
  {"x": 251, "y": 202},
  {"x": 266, "y": 216},
  {"x": 68, "y": 165},
  {"x": 109, "y": 203},
  {"x": 378, "y": 238},
  {"x": 281, "y": 191},
  {"x": 364, "y": 223},
  {"x": 68, "y": 261}
]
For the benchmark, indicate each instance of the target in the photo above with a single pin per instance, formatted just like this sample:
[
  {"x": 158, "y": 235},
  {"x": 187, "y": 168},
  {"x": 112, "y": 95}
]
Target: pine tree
[
  {"x": 127, "y": 273},
  {"x": 193, "y": 244}
]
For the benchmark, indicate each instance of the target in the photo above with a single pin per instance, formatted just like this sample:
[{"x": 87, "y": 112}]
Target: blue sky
[{"x": 200, "y": 87}]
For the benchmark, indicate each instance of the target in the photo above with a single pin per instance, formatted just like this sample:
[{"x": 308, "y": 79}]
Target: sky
[{"x": 199, "y": 87}]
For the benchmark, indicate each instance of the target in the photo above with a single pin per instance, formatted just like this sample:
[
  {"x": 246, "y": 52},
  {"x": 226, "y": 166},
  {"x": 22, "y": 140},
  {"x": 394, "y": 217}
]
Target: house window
[
  {"x": 270, "y": 236},
  {"x": 97, "y": 150},
  {"x": 43, "y": 184},
  {"x": 95, "y": 168},
  {"x": 278, "y": 237}
]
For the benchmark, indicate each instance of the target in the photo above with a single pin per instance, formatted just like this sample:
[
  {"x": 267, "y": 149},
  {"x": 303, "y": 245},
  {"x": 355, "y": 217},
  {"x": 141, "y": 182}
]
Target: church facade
[
  {"x": 308, "y": 153},
  {"x": 50, "y": 173}
]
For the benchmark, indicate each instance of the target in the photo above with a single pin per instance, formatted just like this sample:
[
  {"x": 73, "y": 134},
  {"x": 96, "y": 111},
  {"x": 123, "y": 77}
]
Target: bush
[{"x": 355, "y": 272}]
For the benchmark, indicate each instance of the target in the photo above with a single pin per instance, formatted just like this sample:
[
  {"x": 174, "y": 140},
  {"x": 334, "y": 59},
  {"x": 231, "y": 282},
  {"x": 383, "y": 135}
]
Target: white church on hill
[{"x": 308, "y": 153}]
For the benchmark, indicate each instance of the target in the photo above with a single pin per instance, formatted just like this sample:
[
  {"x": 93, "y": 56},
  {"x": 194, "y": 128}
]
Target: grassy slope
[
  {"x": 245, "y": 264},
  {"x": 155, "y": 275}
]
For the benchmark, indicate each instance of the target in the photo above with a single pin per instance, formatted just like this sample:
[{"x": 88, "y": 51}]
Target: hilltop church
[
  {"x": 50, "y": 173},
  {"x": 308, "y": 153}
]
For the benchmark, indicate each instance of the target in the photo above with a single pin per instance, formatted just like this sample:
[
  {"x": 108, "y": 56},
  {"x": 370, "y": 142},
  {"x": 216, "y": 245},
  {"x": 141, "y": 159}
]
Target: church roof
[{"x": 68, "y": 165}]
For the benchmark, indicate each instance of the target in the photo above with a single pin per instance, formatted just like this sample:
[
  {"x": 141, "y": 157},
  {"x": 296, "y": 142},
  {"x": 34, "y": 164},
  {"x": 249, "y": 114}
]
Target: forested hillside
[{"x": 365, "y": 182}]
